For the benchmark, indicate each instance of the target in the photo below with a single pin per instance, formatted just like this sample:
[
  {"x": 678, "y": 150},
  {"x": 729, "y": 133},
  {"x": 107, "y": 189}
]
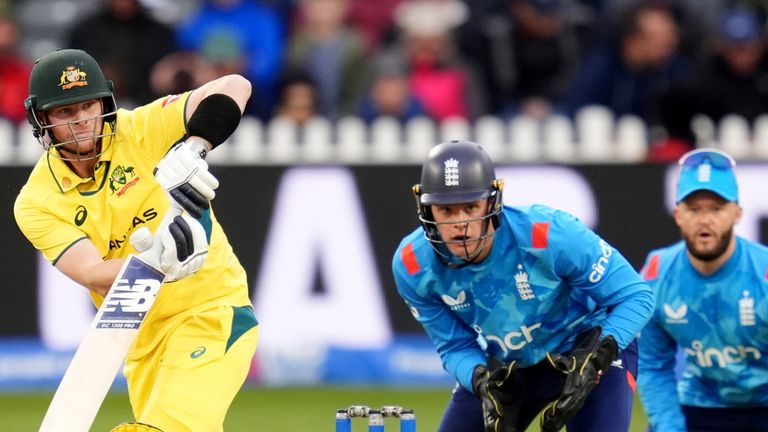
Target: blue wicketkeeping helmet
[{"x": 457, "y": 172}]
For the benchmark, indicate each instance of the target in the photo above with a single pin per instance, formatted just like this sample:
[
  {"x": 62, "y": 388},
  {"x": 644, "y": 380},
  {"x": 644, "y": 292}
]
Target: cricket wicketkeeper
[{"x": 529, "y": 309}]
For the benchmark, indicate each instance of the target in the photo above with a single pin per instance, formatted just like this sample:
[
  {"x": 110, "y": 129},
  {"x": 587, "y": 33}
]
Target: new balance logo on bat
[
  {"x": 135, "y": 298},
  {"x": 129, "y": 301}
]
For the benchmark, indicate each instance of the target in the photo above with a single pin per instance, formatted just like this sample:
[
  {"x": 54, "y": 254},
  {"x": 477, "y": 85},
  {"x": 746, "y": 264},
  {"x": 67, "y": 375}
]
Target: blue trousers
[
  {"x": 608, "y": 407},
  {"x": 698, "y": 419}
]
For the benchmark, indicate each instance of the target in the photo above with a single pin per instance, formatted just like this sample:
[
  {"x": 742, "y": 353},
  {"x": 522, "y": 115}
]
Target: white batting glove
[
  {"x": 148, "y": 246},
  {"x": 178, "y": 249},
  {"x": 184, "y": 174}
]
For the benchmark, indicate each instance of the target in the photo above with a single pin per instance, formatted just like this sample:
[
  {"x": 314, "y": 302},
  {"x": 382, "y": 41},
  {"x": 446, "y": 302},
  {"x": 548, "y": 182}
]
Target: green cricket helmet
[{"x": 64, "y": 77}]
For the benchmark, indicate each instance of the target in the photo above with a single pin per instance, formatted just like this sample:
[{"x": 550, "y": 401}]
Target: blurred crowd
[{"x": 664, "y": 61}]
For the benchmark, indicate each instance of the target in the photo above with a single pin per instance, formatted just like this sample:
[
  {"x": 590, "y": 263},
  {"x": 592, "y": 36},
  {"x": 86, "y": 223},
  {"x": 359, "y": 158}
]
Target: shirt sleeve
[
  {"x": 456, "y": 343},
  {"x": 49, "y": 234},
  {"x": 157, "y": 126},
  {"x": 599, "y": 271},
  {"x": 657, "y": 356},
  {"x": 656, "y": 379}
]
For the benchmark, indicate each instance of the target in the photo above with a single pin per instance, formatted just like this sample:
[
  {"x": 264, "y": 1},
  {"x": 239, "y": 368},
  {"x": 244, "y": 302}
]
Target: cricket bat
[{"x": 103, "y": 349}]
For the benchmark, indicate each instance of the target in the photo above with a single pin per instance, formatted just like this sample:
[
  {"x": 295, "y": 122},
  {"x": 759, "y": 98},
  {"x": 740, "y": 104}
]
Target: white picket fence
[{"x": 595, "y": 136}]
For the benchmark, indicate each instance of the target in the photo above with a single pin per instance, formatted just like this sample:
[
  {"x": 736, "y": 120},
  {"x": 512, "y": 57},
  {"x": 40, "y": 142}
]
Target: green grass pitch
[{"x": 268, "y": 409}]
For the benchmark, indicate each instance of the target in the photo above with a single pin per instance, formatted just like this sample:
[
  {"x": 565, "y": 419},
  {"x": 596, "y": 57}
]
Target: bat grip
[{"x": 172, "y": 212}]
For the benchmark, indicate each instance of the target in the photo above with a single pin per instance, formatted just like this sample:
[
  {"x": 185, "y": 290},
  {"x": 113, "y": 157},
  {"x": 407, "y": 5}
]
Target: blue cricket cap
[
  {"x": 740, "y": 25},
  {"x": 707, "y": 169}
]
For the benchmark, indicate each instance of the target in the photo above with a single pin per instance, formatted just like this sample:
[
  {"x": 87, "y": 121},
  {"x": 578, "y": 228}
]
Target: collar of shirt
[{"x": 67, "y": 180}]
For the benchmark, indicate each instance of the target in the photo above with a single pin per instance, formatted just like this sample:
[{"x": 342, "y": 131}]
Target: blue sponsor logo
[{"x": 131, "y": 297}]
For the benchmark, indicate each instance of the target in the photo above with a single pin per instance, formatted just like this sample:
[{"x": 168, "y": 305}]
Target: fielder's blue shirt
[
  {"x": 547, "y": 278},
  {"x": 720, "y": 321}
]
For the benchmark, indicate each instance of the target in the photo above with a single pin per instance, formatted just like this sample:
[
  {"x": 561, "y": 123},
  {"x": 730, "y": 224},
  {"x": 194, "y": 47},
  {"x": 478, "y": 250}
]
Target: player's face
[
  {"x": 461, "y": 228},
  {"x": 75, "y": 126},
  {"x": 706, "y": 222}
]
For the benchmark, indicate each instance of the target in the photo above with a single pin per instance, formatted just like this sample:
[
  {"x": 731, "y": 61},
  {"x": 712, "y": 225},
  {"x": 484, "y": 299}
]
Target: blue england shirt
[
  {"x": 721, "y": 324},
  {"x": 547, "y": 278}
]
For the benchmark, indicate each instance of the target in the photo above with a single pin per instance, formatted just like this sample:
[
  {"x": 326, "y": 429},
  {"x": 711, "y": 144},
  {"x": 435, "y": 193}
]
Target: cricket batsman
[{"x": 107, "y": 173}]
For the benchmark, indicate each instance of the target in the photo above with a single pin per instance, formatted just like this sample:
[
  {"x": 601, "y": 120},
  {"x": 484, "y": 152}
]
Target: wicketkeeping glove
[
  {"x": 584, "y": 366},
  {"x": 495, "y": 392},
  {"x": 184, "y": 175},
  {"x": 178, "y": 249}
]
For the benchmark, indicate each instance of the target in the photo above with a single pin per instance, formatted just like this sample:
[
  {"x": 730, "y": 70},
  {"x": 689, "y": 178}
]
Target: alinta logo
[{"x": 81, "y": 213}]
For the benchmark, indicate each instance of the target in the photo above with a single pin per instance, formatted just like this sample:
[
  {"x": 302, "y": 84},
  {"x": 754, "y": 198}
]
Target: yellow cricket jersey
[{"x": 56, "y": 208}]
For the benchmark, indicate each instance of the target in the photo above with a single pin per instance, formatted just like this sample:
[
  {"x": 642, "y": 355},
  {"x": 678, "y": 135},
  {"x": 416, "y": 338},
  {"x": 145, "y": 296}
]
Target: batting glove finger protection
[
  {"x": 184, "y": 175},
  {"x": 184, "y": 248},
  {"x": 189, "y": 199}
]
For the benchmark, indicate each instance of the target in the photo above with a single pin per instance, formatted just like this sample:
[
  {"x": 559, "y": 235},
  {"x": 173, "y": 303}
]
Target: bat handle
[
  {"x": 173, "y": 211},
  {"x": 146, "y": 243}
]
